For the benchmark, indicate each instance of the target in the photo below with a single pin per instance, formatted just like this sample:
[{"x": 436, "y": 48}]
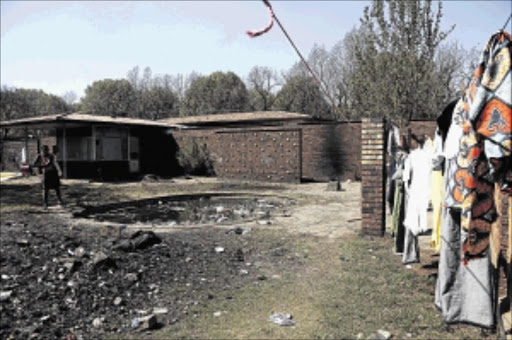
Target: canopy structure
[{"x": 98, "y": 139}]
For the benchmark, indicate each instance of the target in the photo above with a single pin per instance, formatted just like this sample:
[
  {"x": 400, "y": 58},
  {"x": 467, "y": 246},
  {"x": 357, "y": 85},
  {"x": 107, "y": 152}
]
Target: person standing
[{"x": 48, "y": 166}]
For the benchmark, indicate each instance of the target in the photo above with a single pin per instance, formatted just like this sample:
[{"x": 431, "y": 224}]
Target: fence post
[{"x": 373, "y": 176}]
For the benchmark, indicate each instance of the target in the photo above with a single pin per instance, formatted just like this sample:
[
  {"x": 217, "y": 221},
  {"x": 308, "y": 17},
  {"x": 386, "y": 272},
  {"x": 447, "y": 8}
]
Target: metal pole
[
  {"x": 64, "y": 152},
  {"x": 26, "y": 145}
]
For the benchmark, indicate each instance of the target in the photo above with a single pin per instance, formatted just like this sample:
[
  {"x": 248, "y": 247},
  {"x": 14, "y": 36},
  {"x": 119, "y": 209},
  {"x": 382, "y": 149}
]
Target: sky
[{"x": 61, "y": 46}]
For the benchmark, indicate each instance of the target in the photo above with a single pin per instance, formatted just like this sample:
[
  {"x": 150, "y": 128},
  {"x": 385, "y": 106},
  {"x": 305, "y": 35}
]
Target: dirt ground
[{"x": 210, "y": 259}]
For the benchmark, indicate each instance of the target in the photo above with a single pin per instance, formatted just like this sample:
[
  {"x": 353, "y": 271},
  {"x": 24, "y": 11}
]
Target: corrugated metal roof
[
  {"x": 84, "y": 118},
  {"x": 259, "y": 116}
]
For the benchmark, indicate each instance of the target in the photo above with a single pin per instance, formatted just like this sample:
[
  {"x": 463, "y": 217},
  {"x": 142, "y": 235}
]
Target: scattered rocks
[{"x": 71, "y": 283}]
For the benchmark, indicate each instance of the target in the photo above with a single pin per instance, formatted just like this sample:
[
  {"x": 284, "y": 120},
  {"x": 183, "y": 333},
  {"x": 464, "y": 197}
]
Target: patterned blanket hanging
[{"x": 484, "y": 156}]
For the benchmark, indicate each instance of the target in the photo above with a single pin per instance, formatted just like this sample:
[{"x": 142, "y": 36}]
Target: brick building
[{"x": 275, "y": 146}]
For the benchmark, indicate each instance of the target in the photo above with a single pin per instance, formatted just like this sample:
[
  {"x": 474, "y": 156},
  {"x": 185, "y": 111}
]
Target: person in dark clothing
[{"x": 48, "y": 166}]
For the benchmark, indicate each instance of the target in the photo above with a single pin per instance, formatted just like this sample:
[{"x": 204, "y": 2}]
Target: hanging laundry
[
  {"x": 417, "y": 179},
  {"x": 393, "y": 144},
  {"x": 436, "y": 189},
  {"x": 397, "y": 226},
  {"x": 477, "y": 152},
  {"x": 416, "y": 182}
]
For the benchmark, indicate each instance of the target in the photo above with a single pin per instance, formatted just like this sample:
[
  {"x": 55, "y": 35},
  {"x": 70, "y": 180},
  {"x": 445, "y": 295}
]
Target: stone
[
  {"x": 79, "y": 252},
  {"x": 219, "y": 249},
  {"x": 264, "y": 222},
  {"x": 379, "y": 335},
  {"x": 117, "y": 301},
  {"x": 132, "y": 277},
  {"x": 334, "y": 186},
  {"x": 97, "y": 323},
  {"x": 218, "y": 313},
  {"x": 5, "y": 295},
  {"x": 244, "y": 272},
  {"x": 384, "y": 333},
  {"x": 111, "y": 231},
  {"x": 282, "y": 319},
  {"x": 140, "y": 240},
  {"x": 72, "y": 265},
  {"x": 23, "y": 242},
  {"x": 102, "y": 260},
  {"x": 144, "y": 239},
  {"x": 160, "y": 310},
  {"x": 148, "y": 322}
]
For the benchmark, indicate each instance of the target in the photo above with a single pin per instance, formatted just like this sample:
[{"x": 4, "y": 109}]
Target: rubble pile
[{"x": 76, "y": 283}]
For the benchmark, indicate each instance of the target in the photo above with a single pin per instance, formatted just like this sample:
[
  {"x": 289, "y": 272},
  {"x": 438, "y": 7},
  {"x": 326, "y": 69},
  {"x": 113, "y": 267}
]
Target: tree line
[{"x": 396, "y": 63}]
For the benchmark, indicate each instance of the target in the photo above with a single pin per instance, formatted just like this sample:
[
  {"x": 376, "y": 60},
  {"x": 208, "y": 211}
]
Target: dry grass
[{"x": 342, "y": 289}]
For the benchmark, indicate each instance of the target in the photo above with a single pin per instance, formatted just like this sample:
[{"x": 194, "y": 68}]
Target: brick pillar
[{"x": 373, "y": 176}]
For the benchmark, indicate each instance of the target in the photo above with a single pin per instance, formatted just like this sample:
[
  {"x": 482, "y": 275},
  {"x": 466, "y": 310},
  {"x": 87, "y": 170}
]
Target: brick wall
[
  {"x": 331, "y": 151},
  {"x": 263, "y": 153},
  {"x": 373, "y": 174},
  {"x": 423, "y": 127},
  {"x": 273, "y": 155},
  {"x": 328, "y": 150}
]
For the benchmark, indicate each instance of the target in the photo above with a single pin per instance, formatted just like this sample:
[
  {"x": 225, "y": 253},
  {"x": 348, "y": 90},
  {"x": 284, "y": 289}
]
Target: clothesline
[{"x": 506, "y": 22}]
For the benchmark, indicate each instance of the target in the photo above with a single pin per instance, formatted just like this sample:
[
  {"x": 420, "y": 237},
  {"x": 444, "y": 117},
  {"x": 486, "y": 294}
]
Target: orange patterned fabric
[{"x": 484, "y": 156}]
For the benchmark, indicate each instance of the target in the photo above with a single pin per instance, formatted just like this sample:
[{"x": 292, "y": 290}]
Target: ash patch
[
  {"x": 72, "y": 283},
  {"x": 187, "y": 209}
]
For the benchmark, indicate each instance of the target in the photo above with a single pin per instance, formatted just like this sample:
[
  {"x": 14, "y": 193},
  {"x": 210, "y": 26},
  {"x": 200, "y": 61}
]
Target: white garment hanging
[{"x": 417, "y": 184}]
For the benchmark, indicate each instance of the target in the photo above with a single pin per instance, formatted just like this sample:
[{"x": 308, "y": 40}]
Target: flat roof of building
[
  {"x": 238, "y": 117},
  {"x": 78, "y": 117}
]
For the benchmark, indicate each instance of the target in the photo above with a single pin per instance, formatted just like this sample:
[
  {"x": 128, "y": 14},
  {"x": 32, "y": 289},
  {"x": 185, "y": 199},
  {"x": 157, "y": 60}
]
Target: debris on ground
[
  {"x": 282, "y": 319},
  {"x": 380, "y": 335},
  {"x": 77, "y": 283}
]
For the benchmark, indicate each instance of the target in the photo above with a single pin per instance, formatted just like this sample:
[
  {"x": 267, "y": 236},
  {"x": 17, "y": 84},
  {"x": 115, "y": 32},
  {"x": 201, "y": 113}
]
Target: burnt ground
[
  {"x": 72, "y": 280},
  {"x": 59, "y": 286}
]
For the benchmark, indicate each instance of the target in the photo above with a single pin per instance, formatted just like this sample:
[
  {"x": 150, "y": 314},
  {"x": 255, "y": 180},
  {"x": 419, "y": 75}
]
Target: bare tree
[
  {"x": 69, "y": 97},
  {"x": 262, "y": 83}
]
